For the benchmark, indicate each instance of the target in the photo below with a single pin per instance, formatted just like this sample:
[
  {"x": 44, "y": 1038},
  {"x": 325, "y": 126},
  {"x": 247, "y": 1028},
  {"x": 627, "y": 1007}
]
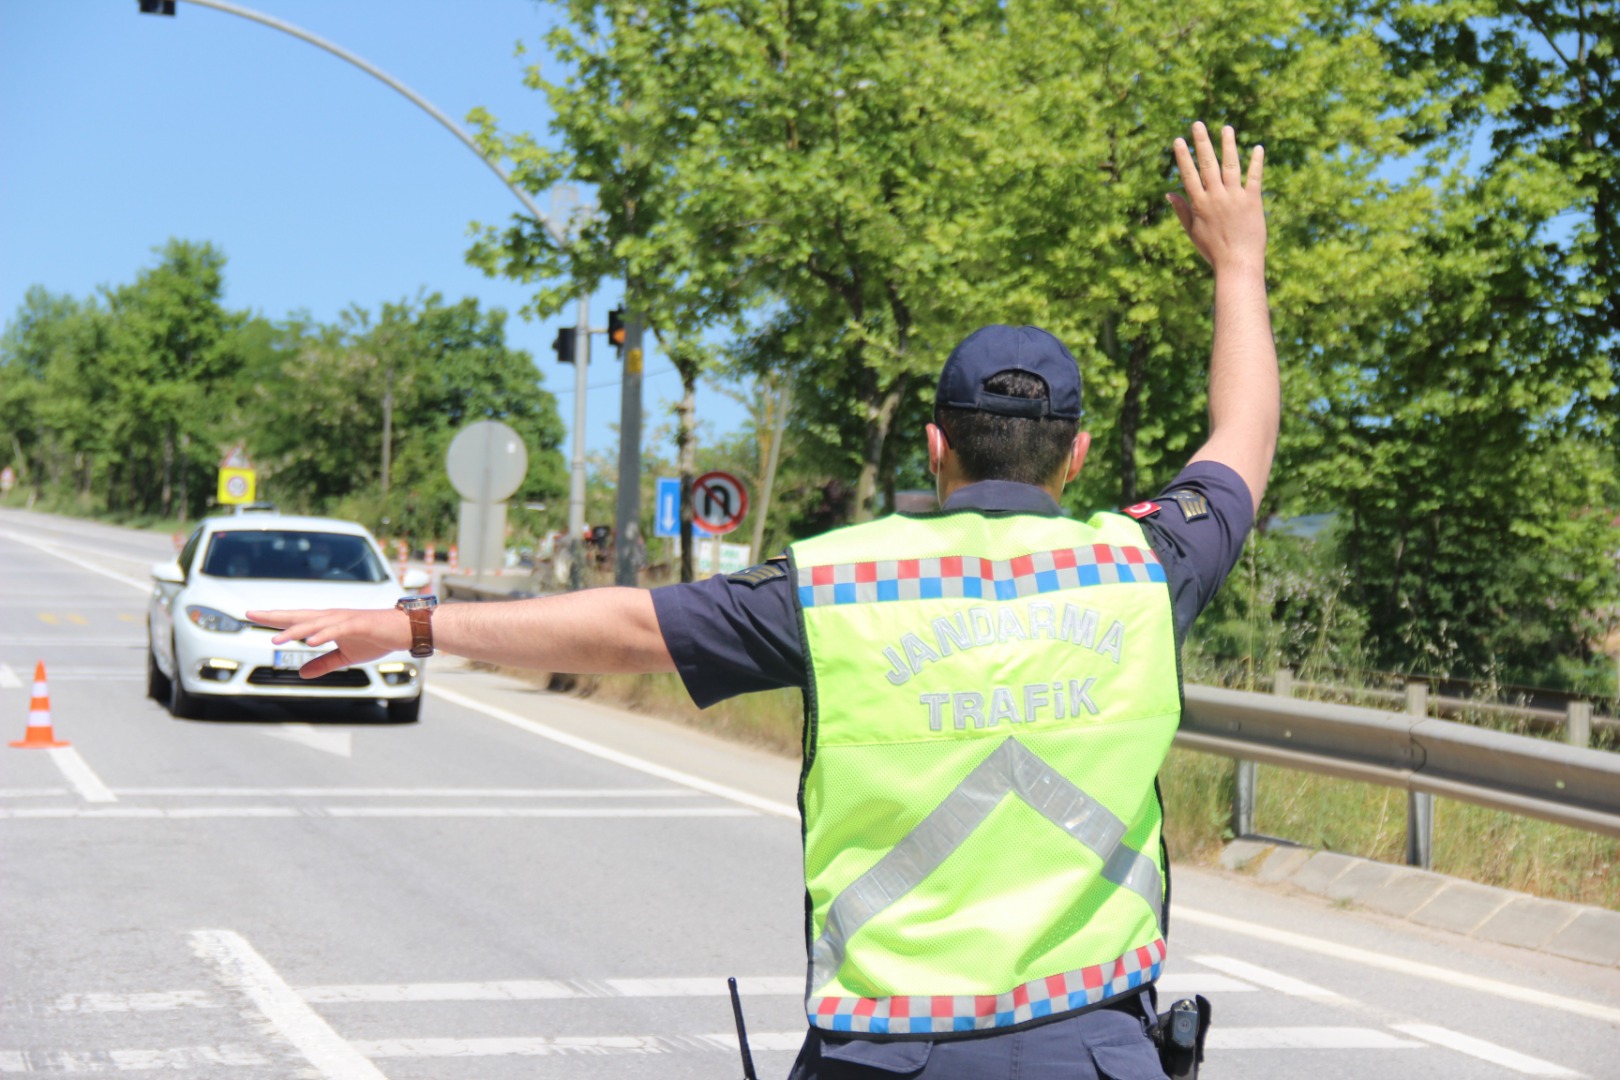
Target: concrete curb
[{"x": 1574, "y": 931}]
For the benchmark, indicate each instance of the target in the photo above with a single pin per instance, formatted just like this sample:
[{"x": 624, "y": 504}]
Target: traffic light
[
  {"x": 564, "y": 345},
  {"x": 616, "y": 328},
  {"x": 157, "y": 7}
]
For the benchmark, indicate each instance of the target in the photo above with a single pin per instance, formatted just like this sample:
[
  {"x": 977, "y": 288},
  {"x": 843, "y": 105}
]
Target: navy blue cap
[{"x": 989, "y": 351}]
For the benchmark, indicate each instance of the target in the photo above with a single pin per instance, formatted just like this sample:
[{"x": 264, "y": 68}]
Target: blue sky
[{"x": 323, "y": 186}]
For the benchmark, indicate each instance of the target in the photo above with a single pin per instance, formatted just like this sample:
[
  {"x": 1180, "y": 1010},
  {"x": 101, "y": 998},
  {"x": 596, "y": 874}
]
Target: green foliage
[
  {"x": 126, "y": 406},
  {"x": 1288, "y": 603}
]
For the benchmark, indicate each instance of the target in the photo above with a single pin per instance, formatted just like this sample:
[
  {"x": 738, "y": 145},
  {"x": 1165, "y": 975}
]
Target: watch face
[{"x": 411, "y": 603}]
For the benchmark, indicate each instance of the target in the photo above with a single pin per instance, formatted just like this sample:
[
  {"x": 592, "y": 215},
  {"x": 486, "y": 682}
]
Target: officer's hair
[{"x": 1028, "y": 450}]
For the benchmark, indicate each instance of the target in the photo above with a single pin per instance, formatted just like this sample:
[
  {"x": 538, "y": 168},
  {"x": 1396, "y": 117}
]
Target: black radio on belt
[{"x": 1179, "y": 1035}]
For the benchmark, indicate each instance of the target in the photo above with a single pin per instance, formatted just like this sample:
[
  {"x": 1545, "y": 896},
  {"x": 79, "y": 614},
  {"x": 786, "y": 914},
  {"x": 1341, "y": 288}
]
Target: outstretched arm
[
  {"x": 1227, "y": 224},
  {"x": 592, "y": 632}
]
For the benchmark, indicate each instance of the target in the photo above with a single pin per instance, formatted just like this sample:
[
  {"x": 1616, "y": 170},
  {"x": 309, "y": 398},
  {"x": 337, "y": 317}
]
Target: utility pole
[
  {"x": 627, "y": 511},
  {"x": 576, "y": 486}
]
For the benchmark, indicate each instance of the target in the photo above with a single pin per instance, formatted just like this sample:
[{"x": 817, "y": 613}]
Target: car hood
[{"x": 235, "y": 598}]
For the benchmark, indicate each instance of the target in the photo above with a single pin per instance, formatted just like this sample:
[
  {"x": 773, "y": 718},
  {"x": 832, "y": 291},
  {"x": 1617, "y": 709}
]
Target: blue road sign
[{"x": 669, "y": 507}]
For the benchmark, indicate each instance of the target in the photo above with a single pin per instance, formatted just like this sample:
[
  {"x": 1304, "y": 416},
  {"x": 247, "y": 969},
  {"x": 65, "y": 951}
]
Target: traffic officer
[{"x": 989, "y": 690}]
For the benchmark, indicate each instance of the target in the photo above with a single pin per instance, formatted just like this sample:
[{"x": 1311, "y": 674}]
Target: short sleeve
[
  {"x": 1205, "y": 515},
  {"x": 731, "y": 635}
]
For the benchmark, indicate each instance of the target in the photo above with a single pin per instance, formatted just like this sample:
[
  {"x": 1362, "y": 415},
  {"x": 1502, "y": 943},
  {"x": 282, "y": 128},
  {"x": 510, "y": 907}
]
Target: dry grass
[{"x": 1470, "y": 842}]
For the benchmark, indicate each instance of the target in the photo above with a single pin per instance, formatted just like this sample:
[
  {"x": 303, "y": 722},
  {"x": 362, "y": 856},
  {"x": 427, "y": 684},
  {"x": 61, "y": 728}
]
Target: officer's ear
[
  {"x": 938, "y": 443},
  {"x": 1077, "y": 454}
]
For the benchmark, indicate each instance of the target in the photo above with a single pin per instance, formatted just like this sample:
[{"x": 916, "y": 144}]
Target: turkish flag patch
[{"x": 1142, "y": 510}]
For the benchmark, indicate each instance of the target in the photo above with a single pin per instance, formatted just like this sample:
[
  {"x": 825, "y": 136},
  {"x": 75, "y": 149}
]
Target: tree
[
  {"x": 164, "y": 359},
  {"x": 1540, "y": 79},
  {"x": 420, "y": 369}
]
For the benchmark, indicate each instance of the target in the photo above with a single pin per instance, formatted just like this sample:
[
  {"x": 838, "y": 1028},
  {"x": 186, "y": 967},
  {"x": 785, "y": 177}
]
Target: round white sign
[
  {"x": 486, "y": 461},
  {"x": 719, "y": 502}
]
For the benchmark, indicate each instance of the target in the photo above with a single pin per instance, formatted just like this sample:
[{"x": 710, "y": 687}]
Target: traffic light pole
[
  {"x": 576, "y": 487},
  {"x": 627, "y": 511}
]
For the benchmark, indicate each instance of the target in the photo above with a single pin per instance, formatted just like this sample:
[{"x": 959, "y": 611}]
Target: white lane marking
[
  {"x": 58, "y": 812},
  {"x": 769, "y": 806},
  {"x": 1271, "y": 980},
  {"x": 534, "y": 812},
  {"x": 1198, "y": 982},
  {"x": 340, "y": 743},
  {"x": 33, "y": 792},
  {"x": 177, "y": 813},
  {"x": 161, "y": 1001},
  {"x": 1485, "y": 1051},
  {"x": 59, "y": 674},
  {"x": 549, "y": 990},
  {"x": 706, "y": 987},
  {"x": 78, "y": 773},
  {"x": 186, "y": 1057},
  {"x": 8, "y": 678},
  {"x": 398, "y": 792},
  {"x": 72, "y": 641},
  {"x": 178, "y": 1057},
  {"x": 144, "y": 586},
  {"x": 1305, "y": 1038},
  {"x": 502, "y": 1047},
  {"x": 1401, "y": 966},
  {"x": 242, "y": 968}
]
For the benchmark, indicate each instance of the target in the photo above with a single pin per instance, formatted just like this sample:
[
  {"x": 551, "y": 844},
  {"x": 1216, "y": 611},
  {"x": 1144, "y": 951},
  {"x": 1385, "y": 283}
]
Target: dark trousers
[{"x": 1106, "y": 1044}]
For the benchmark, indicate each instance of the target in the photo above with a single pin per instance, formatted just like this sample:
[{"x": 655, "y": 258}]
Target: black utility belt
[{"x": 1179, "y": 1033}]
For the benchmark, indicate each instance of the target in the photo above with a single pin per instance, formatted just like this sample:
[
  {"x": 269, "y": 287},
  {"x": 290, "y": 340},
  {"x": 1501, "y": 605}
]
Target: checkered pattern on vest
[
  {"x": 1043, "y": 997},
  {"x": 968, "y": 576}
]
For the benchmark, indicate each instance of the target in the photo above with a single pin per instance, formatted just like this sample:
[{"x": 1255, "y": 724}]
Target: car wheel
[
  {"x": 157, "y": 683},
  {"x": 405, "y": 710},
  {"x": 183, "y": 704}
]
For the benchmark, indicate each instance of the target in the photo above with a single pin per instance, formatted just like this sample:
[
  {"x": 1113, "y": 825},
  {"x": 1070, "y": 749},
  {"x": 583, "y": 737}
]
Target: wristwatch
[{"x": 420, "y": 611}]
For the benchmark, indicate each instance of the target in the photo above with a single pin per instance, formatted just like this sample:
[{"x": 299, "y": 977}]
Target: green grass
[{"x": 1366, "y": 820}]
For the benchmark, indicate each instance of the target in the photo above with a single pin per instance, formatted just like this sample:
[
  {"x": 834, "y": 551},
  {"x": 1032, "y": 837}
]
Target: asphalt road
[{"x": 525, "y": 884}]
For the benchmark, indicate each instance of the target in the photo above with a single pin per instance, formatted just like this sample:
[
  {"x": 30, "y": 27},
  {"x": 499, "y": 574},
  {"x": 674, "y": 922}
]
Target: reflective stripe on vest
[
  {"x": 956, "y": 660},
  {"x": 1010, "y": 769}
]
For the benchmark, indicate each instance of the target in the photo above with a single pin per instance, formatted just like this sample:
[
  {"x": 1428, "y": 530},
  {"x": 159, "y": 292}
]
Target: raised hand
[{"x": 1221, "y": 211}]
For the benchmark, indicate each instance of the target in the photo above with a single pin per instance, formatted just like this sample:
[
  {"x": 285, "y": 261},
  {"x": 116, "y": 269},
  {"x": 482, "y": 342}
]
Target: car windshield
[{"x": 284, "y": 555}]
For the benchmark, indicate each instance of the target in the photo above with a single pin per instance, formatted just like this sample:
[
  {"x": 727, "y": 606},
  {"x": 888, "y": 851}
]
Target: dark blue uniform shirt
[{"x": 732, "y": 635}]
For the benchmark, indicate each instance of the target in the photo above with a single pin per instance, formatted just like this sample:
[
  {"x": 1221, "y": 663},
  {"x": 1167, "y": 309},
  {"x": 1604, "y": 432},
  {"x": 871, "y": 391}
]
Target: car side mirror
[
  {"x": 415, "y": 579},
  {"x": 169, "y": 572}
]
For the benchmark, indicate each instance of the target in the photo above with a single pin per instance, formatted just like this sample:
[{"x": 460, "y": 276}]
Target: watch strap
[{"x": 421, "y": 618}]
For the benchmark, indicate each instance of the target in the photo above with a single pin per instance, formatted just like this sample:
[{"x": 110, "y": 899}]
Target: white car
[{"x": 201, "y": 647}]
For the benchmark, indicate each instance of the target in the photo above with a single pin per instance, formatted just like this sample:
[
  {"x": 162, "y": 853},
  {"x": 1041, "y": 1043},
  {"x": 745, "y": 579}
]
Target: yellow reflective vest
[{"x": 990, "y": 699}]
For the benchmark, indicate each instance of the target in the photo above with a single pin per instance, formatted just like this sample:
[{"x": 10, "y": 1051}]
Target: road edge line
[
  {"x": 1397, "y": 964},
  {"x": 534, "y": 727}
]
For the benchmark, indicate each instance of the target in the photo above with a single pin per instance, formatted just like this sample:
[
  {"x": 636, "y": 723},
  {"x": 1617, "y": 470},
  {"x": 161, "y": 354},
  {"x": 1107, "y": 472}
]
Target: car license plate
[{"x": 292, "y": 659}]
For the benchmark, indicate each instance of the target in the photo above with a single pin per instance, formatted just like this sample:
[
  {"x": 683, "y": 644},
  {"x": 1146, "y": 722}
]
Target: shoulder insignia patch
[
  {"x": 1141, "y": 510},
  {"x": 1193, "y": 505},
  {"x": 755, "y": 576}
]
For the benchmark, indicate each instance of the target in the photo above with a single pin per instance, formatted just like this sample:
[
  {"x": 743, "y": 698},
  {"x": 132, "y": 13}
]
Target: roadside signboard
[
  {"x": 237, "y": 486},
  {"x": 238, "y": 482},
  {"x": 668, "y": 521},
  {"x": 719, "y": 502},
  {"x": 7, "y": 479}
]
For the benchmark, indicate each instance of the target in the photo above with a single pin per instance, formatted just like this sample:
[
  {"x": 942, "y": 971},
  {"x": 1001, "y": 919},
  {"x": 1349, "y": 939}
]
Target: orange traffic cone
[{"x": 39, "y": 735}]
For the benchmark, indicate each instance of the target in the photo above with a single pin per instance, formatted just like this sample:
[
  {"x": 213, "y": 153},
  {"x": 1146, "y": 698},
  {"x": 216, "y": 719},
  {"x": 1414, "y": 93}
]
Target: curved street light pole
[{"x": 582, "y": 339}]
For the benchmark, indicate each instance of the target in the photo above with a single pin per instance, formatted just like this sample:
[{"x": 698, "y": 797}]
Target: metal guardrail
[
  {"x": 1569, "y": 785},
  {"x": 1566, "y": 719}
]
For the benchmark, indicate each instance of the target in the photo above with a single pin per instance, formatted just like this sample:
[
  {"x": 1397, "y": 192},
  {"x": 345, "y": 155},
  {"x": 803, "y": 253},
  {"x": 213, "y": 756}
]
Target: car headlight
[{"x": 217, "y": 621}]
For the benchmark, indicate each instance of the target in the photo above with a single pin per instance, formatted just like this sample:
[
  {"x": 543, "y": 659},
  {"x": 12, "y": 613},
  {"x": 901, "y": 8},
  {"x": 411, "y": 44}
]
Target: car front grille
[{"x": 347, "y": 679}]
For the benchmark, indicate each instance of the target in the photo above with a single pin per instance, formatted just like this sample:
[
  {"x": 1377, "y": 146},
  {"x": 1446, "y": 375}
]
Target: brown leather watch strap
[{"x": 421, "y": 630}]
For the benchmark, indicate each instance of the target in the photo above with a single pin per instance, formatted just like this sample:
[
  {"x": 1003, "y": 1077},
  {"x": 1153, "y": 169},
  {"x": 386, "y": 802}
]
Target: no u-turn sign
[{"x": 719, "y": 502}]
